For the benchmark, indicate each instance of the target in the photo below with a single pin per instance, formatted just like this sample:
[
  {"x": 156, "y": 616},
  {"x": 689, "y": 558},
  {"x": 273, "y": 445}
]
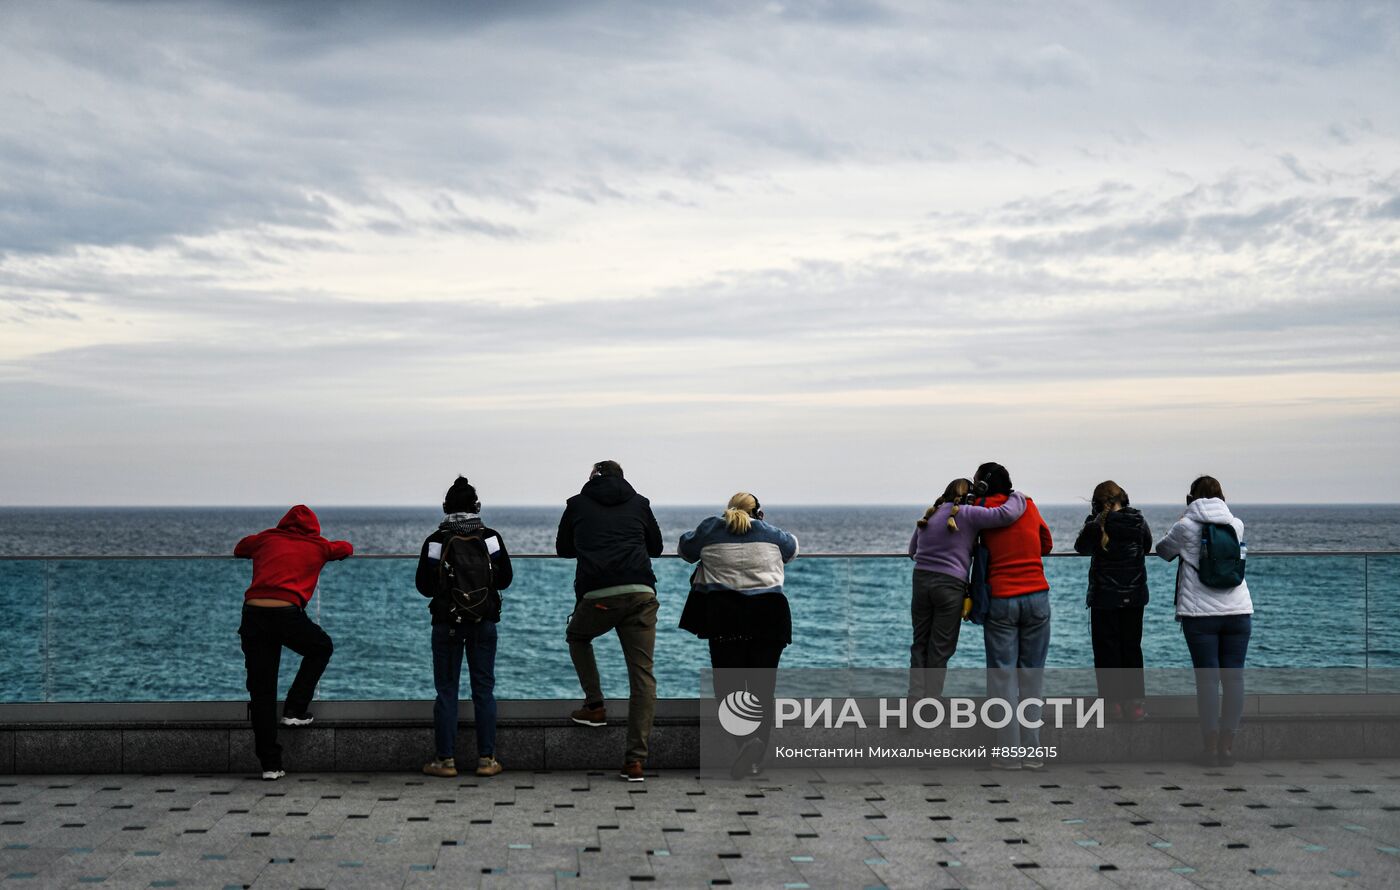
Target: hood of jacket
[
  {"x": 1205, "y": 510},
  {"x": 1129, "y": 519},
  {"x": 301, "y": 520},
  {"x": 608, "y": 490}
]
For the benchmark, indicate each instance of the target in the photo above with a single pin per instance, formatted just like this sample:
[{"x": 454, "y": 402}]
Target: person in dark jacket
[
  {"x": 737, "y": 603},
  {"x": 611, "y": 531},
  {"x": 1117, "y": 540},
  {"x": 461, "y": 631},
  {"x": 287, "y": 561}
]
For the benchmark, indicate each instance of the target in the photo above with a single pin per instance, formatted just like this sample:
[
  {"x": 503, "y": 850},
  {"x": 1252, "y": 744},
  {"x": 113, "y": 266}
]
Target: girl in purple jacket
[{"x": 941, "y": 548}]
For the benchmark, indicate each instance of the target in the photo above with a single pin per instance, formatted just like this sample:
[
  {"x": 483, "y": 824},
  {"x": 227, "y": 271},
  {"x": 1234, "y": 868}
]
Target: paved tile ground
[{"x": 1263, "y": 825}]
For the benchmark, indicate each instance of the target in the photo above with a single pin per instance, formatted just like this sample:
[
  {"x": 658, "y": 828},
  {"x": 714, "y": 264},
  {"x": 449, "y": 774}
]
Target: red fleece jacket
[
  {"x": 1014, "y": 552},
  {"x": 287, "y": 560}
]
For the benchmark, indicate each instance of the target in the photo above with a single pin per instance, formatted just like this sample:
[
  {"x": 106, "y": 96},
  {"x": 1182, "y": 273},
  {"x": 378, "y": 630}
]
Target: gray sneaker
[{"x": 442, "y": 767}]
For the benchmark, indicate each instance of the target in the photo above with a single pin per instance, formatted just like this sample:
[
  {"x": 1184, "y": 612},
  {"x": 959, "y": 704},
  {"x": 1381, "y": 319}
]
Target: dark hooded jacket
[
  {"x": 610, "y": 529},
  {"x": 287, "y": 560},
  {"x": 1117, "y": 575}
]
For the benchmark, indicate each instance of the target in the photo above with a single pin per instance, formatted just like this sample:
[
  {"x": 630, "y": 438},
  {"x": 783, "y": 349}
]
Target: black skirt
[{"x": 726, "y": 614}]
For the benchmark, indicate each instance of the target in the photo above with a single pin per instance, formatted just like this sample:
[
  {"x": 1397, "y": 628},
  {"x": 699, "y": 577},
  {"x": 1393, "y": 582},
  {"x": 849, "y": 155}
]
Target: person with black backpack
[
  {"x": 1214, "y": 608},
  {"x": 463, "y": 567}
]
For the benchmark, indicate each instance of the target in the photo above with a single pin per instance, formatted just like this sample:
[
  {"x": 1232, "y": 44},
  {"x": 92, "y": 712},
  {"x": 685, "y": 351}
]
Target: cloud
[
  {"x": 535, "y": 218},
  {"x": 1052, "y": 65}
]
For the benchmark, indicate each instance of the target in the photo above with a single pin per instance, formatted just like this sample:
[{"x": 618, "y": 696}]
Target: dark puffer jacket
[
  {"x": 1118, "y": 575},
  {"x": 610, "y": 529}
]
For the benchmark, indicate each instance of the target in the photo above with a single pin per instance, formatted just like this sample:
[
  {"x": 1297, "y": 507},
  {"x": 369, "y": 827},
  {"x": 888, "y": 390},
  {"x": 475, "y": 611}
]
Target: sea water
[{"x": 165, "y": 629}]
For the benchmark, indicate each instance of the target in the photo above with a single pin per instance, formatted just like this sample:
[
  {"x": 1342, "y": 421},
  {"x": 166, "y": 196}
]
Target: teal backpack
[{"x": 1222, "y": 556}]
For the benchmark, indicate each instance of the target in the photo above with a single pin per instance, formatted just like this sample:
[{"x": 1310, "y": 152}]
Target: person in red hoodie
[
  {"x": 287, "y": 561},
  {"x": 1016, "y": 631}
]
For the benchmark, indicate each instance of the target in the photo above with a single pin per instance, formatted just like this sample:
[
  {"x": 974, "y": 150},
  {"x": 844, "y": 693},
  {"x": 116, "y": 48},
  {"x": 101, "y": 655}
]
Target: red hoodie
[
  {"x": 287, "y": 559},
  {"x": 1014, "y": 564}
]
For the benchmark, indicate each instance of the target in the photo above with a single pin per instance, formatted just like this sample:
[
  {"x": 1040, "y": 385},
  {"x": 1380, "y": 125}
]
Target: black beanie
[{"x": 461, "y": 497}]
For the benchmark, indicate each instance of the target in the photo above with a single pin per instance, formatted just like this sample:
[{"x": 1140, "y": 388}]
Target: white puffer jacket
[{"x": 1184, "y": 540}]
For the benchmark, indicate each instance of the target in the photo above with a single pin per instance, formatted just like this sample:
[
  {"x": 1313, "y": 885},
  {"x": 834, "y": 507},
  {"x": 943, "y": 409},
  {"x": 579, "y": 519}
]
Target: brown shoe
[
  {"x": 586, "y": 716},
  {"x": 632, "y": 772},
  {"x": 444, "y": 768},
  {"x": 488, "y": 766}
]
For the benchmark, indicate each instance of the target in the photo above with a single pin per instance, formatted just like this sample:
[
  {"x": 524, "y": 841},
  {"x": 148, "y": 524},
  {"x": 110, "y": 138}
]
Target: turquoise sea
[{"x": 164, "y": 629}]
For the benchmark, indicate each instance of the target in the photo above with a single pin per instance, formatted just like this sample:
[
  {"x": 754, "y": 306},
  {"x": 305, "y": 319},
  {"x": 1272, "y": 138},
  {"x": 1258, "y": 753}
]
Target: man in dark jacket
[
  {"x": 463, "y": 629},
  {"x": 611, "y": 531}
]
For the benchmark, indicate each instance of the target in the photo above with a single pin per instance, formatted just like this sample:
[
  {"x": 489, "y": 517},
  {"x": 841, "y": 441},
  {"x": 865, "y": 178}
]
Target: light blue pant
[{"x": 1017, "y": 636}]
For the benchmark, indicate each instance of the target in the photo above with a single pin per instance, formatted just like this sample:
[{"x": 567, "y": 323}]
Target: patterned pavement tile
[{"x": 1139, "y": 826}]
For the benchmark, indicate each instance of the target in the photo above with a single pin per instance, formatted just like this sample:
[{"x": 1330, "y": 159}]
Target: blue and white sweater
[{"x": 750, "y": 563}]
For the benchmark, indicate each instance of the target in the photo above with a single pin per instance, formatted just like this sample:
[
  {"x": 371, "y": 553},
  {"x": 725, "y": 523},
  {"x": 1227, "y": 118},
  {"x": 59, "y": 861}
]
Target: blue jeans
[
  {"x": 1017, "y": 637},
  {"x": 478, "y": 643},
  {"x": 1218, "y": 644}
]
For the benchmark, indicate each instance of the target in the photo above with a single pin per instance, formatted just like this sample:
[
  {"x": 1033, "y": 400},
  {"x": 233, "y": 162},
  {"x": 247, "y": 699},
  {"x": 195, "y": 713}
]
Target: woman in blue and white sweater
[{"x": 737, "y": 603}]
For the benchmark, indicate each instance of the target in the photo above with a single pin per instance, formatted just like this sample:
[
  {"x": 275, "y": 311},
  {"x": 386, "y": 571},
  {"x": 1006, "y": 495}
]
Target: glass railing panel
[
  {"x": 826, "y": 619},
  {"x": 1383, "y": 623},
  {"x": 145, "y": 630},
  {"x": 1309, "y": 628},
  {"x": 1310, "y": 613},
  {"x": 170, "y": 634},
  {"x": 382, "y": 632},
  {"x": 22, "y": 650}
]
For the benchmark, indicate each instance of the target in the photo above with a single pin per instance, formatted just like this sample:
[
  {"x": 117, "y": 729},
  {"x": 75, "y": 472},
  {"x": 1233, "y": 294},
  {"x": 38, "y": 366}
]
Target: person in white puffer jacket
[{"x": 1215, "y": 620}]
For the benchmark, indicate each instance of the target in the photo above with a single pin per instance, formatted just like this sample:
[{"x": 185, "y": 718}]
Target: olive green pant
[{"x": 633, "y": 616}]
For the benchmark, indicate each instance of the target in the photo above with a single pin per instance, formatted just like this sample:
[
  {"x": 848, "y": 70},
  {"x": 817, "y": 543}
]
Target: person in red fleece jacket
[
  {"x": 1016, "y": 631},
  {"x": 287, "y": 561}
]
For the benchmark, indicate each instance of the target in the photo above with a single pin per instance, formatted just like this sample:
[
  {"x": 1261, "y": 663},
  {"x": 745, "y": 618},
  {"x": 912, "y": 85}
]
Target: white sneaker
[
  {"x": 1033, "y": 764},
  {"x": 272, "y": 775},
  {"x": 303, "y": 720}
]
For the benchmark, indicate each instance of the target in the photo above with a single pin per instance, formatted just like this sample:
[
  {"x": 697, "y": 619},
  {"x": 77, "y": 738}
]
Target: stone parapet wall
[{"x": 203, "y": 737}]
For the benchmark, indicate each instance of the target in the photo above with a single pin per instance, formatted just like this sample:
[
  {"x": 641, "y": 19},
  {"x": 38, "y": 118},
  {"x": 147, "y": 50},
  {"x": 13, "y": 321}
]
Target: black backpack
[{"x": 466, "y": 578}]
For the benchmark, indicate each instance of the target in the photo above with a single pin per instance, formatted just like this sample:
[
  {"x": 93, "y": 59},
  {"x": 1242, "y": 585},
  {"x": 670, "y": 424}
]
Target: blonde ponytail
[
  {"x": 953, "y": 523},
  {"x": 737, "y": 521},
  {"x": 1103, "y": 530},
  {"x": 738, "y": 516},
  {"x": 923, "y": 523}
]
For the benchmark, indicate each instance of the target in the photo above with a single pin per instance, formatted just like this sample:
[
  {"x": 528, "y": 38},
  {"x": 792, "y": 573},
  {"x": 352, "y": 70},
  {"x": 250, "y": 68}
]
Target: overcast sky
[{"x": 827, "y": 252}]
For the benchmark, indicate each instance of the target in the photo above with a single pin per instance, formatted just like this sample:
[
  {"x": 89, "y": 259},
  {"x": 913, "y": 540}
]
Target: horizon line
[{"x": 560, "y": 505}]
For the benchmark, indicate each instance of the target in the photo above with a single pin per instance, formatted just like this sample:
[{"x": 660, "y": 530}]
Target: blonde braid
[
  {"x": 953, "y": 523},
  {"x": 923, "y": 523},
  {"x": 1103, "y": 529}
]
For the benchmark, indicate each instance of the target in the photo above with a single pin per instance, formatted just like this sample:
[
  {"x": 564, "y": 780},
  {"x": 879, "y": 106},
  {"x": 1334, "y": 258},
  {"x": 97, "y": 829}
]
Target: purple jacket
[{"x": 938, "y": 549}]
